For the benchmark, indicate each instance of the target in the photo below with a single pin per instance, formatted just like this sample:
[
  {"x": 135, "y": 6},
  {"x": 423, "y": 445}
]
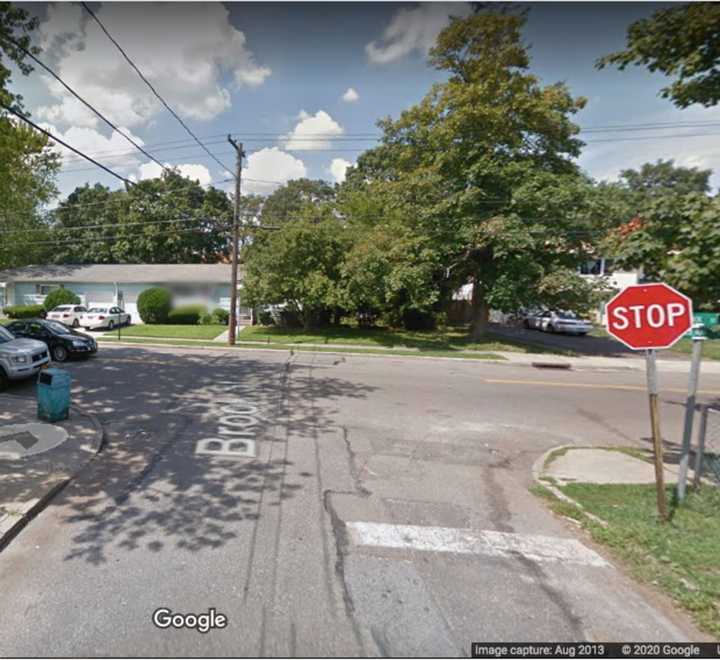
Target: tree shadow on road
[{"x": 148, "y": 489}]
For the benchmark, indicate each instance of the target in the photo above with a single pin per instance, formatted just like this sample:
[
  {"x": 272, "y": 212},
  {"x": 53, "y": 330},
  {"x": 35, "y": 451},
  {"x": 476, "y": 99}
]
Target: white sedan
[
  {"x": 67, "y": 314},
  {"x": 550, "y": 321},
  {"x": 104, "y": 317}
]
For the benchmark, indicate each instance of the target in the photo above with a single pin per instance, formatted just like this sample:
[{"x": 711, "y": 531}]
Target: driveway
[
  {"x": 587, "y": 345},
  {"x": 381, "y": 507}
]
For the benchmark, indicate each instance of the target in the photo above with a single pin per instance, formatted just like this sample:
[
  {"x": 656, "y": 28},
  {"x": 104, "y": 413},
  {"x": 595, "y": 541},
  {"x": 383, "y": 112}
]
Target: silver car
[
  {"x": 20, "y": 358},
  {"x": 558, "y": 321}
]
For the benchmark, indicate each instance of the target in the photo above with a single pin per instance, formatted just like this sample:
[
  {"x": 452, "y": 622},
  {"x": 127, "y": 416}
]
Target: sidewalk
[
  {"x": 38, "y": 459},
  {"x": 507, "y": 357}
]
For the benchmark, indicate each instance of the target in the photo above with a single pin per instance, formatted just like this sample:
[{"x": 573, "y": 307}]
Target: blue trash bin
[{"x": 53, "y": 395}]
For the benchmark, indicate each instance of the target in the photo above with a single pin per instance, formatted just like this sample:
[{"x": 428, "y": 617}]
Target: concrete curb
[
  {"x": 12, "y": 522},
  {"x": 537, "y": 472}
]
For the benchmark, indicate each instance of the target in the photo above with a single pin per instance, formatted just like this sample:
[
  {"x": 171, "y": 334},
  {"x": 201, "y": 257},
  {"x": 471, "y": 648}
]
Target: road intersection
[{"x": 386, "y": 510}]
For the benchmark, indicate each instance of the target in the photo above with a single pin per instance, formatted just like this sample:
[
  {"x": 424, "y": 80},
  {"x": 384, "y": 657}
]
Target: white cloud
[
  {"x": 414, "y": 29},
  {"x": 185, "y": 50},
  {"x": 337, "y": 169},
  {"x": 113, "y": 151},
  {"x": 350, "y": 96},
  {"x": 268, "y": 167},
  {"x": 313, "y": 131},
  {"x": 193, "y": 171}
]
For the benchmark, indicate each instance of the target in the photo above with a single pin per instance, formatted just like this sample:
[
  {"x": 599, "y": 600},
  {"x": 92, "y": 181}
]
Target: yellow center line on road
[{"x": 594, "y": 386}]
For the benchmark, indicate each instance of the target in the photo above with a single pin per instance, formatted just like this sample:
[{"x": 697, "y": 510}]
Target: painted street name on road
[{"x": 238, "y": 424}]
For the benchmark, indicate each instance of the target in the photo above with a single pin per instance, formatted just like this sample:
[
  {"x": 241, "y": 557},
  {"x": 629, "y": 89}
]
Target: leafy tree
[
  {"x": 298, "y": 265},
  {"x": 165, "y": 220},
  {"x": 27, "y": 167},
  {"x": 288, "y": 201},
  {"x": 676, "y": 239},
  {"x": 664, "y": 177},
  {"x": 682, "y": 42},
  {"x": 483, "y": 168}
]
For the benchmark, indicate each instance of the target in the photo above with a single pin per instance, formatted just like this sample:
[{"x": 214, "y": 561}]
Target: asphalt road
[{"x": 326, "y": 541}]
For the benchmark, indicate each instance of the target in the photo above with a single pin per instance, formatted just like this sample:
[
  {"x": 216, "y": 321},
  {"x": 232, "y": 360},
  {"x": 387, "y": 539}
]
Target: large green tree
[
  {"x": 287, "y": 202},
  {"x": 165, "y": 220},
  {"x": 483, "y": 169},
  {"x": 298, "y": 265},
  {"x": 664, "y": 177},
  {"x": 683, "y": 42},
  {"x": 676, "y": 239},
  {"x": 27, "y": 166}
]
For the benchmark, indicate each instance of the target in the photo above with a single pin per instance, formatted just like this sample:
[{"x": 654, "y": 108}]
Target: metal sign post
[
  {"x": 651, "y": 368},
  {"x": 697, "y": 342}
]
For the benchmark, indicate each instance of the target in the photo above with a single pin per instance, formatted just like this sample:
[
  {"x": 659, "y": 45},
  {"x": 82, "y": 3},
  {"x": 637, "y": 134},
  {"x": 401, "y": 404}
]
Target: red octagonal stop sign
[{"x": 648, "y": 316}]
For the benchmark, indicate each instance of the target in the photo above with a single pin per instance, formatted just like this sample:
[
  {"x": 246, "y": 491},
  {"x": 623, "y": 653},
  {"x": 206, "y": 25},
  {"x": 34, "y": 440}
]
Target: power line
[
  {"x": 84, "y": 102},
  {"x": 154, "y": 91},
  {"x": 21, "y": 116}
]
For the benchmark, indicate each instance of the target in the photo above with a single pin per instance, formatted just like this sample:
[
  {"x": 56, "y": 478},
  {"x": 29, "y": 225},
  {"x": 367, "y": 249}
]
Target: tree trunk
[{"x": 480, "y": 314}]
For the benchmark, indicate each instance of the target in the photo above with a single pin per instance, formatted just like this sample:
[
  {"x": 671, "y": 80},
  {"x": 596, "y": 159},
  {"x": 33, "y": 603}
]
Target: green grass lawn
[
  {"x": 174, "y": 331},
  {"x": 681, "y": 557},
  {"x": 446, "y": 340},
  {"x": 474, "y": 355}
]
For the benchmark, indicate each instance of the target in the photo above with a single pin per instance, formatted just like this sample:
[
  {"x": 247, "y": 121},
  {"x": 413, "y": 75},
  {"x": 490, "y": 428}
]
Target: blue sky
[{"x": 275, "y": 73}]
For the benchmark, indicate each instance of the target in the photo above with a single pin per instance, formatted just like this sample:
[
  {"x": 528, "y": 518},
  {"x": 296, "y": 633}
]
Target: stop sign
[{"x": 648, "y": 316}]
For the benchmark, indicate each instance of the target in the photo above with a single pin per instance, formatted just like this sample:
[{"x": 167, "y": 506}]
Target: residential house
[{"x": 121, "y": 284}]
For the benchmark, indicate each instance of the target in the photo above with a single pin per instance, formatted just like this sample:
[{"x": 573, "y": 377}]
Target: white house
[{"x": 120, "y": 284}]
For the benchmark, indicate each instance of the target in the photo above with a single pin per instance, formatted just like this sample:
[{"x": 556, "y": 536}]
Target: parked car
[
  {"x": 99, "y": 317},
  {"x": 20, "y": 358},
  {"x": 60, "y": 339},
  {"x": 67, "y": 314},
  {"x": 558, "y": 321}
]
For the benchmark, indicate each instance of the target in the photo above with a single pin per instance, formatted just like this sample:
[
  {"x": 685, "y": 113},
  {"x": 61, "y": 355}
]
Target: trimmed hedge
[
  {"x": 60, "y": 297},
  {"x": 187, "y": 315},
  {"x": 154, "y": 305},
  {"x": 221, "y": 316},
  {"x": 24, "y": 311}
]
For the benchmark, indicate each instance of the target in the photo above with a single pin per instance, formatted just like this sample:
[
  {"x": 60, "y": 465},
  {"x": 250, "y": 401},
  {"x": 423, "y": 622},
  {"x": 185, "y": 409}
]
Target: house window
[
  {"x": 44, "y": 289},
  {"x": 592, "y": 267}
]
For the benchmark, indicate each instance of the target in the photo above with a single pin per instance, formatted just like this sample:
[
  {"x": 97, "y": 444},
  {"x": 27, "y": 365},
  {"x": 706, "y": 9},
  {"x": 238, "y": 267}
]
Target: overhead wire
[{"x": 154, "y": 91}]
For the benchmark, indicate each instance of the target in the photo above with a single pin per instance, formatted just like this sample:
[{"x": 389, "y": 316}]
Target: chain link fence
[{"x": 707, "y": 459}]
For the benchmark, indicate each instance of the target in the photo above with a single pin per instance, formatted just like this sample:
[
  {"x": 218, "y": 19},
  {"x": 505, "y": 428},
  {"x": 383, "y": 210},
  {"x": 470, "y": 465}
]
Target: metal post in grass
[
  {"x": 697, "y": 343},
  {"x": 651, "y": 368}
]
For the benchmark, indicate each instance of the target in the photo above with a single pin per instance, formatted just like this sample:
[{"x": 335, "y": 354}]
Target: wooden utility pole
[{"x": 236, "y": 241}]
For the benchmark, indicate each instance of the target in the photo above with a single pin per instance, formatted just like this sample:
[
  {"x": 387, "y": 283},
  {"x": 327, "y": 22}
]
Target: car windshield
[
  {"x": 98, "y": 310},
  {"x": 5, "y": 335},
  {"x": 567, "y": 315},
  {"x": 56, "y": 327},
  {"x": 62, "y": 308}
]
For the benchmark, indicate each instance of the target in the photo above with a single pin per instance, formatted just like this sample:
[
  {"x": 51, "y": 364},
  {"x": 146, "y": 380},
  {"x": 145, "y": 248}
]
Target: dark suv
[{"x": 59, "y": 338}]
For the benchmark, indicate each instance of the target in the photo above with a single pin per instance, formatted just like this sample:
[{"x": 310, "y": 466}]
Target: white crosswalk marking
[{"x": 468, "y": 541}]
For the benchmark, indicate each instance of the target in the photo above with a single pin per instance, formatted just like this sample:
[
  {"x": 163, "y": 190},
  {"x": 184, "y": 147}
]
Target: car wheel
[
  {"x": 111, "y": 325},
  {"x": 526, "y": 324},
  {"x": 59, "y": 354},
  {"x": 76, "y": 323},
  {"x": 551, "y": 328},
  {"x": 4, "y": 380}
]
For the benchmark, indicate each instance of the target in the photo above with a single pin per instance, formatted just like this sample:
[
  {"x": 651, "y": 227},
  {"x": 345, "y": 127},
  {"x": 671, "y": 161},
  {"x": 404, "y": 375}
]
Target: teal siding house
[{"x": 121, "y": 284}]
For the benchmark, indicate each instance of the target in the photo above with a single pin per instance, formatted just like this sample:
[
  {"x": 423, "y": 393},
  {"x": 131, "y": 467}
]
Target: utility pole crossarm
[{"x": 235, "y": 242}]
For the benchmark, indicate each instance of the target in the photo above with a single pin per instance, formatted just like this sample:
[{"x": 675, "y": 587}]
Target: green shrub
[
  {"x": 60, "y": 297},
  {"x": 266, "y": 318},
  {"x": 187, "y": 315},
  {"x": 154, "y": 305},
  {"x": 207, "y": 319},
  {"x": 221, "y": 316},
  {"x": 24, "y": 311}
]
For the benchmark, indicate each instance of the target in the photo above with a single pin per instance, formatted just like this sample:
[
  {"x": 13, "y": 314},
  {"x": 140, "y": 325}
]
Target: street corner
[{"x": 37, "y": 459}]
